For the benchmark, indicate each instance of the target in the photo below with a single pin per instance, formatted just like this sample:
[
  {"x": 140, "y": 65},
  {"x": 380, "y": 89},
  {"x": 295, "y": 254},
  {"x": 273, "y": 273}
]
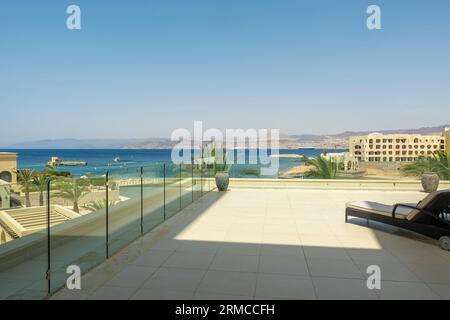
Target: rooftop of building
[
  {"x": 272, "y": 244},
  {"x": 8, "y": 155}
]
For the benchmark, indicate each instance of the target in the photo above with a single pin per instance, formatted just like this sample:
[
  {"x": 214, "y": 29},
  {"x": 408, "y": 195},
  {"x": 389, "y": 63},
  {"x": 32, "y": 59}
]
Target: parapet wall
[{"x": 337, "y": 184}]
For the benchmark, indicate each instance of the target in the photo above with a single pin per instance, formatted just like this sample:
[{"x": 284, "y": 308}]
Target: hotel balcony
[{"x": 262, "y": 239}]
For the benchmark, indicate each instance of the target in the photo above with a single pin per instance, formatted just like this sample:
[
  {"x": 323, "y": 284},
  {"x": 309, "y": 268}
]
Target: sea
[{"x": 99, "y": 161}]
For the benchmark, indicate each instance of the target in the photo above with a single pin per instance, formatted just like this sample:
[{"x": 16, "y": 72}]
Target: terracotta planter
[
  {"x": 430, "y": 182},
  {"x": 222, "y": 181}
]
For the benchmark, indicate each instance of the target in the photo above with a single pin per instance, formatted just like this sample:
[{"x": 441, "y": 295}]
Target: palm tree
[
  {"x": 74, "y": 193},
  {"x": 50, "y": 168},
  {"x": 323, "y": 168},
  {"x": 217, "y": 163},
  {"x": 438, "y": 163},
  {"x": 25, "y": 178},
  {"x": 418, "y": 167},
  {"x": 40, "y": 181},
  {"x": 97, "y": 205},
  {"x": 442, "y": 165}
]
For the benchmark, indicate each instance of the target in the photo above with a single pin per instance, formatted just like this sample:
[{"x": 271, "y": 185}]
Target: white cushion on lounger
[{"x": 379, "y": 208}]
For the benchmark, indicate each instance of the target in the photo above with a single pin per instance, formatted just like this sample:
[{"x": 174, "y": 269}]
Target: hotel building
[
  {"x": 8, "y": 167},
  {"x": 377, "y": 147}
]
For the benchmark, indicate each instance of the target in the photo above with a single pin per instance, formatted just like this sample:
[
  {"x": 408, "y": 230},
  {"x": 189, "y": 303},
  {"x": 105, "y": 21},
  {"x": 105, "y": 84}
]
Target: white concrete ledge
[{"x": 341, "y": 184}]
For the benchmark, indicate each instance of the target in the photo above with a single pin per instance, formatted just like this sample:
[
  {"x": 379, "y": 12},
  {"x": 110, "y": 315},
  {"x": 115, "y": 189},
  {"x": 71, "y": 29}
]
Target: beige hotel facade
[{"x": 377, "y": 147}]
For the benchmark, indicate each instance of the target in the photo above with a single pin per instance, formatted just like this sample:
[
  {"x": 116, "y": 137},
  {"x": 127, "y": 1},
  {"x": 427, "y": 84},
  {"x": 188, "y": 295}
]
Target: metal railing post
[
  {"x": 107, "y": 215},
  {"x": 164, "y": 187},
  {"x": 142, "y": 200},
  {"x": 192, "y": 179},
  {"x": 48, "y": 272},
  {"x": 180, "y": 184}
]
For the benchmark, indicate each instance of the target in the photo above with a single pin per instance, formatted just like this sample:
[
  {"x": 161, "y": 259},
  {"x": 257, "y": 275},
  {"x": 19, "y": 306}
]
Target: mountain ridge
[{"x": 286, "y": 141}]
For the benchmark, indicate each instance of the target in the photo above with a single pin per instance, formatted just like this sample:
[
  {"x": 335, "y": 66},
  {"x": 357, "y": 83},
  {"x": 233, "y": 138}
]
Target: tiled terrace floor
[{"x": 272, "y": 244}]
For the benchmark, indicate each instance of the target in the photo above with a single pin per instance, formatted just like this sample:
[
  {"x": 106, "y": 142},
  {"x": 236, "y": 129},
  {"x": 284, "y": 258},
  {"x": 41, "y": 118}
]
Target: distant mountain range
[
  {"x": 74, "y": 144},
  {"x": 339, "y": 140}
]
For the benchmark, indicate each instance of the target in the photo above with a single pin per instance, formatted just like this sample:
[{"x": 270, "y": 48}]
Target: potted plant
[
  {"x": 220, "y": 167},
  {"x": 430, "y": 181},
  {"x": 222, "y": 172}
]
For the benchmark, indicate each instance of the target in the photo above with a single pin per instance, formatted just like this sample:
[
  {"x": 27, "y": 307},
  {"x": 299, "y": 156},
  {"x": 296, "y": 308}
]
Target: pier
[{"x": 55, "y": 161}]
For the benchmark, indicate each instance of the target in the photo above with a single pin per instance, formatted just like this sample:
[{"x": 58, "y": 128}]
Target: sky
[{"x": 140, "y": 69}]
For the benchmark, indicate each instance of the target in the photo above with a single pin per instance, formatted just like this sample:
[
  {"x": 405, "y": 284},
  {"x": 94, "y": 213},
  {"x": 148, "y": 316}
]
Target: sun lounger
[{"x": 429, "y": 217}]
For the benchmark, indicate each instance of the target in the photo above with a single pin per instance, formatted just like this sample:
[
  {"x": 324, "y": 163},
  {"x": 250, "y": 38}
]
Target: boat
[
  {"x": 56, "y": 161},
  {"x": 117, "y": 159},
  {"x": 306, "y": 148}
]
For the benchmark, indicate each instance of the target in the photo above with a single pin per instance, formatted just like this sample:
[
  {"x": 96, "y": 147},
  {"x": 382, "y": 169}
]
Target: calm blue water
[{"x": 101, "y": 160}]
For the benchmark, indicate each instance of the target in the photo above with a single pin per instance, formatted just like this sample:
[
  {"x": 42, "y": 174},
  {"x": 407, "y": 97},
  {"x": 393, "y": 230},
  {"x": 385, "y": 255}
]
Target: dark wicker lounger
[{"x": 429, "y": 217}]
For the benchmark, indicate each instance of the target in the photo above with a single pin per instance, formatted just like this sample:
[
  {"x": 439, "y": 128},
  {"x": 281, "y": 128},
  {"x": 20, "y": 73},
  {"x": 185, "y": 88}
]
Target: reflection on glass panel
[
  {"x": 153, "y": 196},
  {"x": 77, "y": 219},
  {"x": 173, "y": 190},
  {"x": 186, "y": 185},
  {"x": 23, "y": 238},
  {"x": 124, "y": 217},
  {"x": 197, "y": 181}
]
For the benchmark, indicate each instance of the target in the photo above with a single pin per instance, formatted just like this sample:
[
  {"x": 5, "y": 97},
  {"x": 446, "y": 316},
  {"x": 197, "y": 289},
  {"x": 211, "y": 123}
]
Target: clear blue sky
[{"x": 143, "y": 68}]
